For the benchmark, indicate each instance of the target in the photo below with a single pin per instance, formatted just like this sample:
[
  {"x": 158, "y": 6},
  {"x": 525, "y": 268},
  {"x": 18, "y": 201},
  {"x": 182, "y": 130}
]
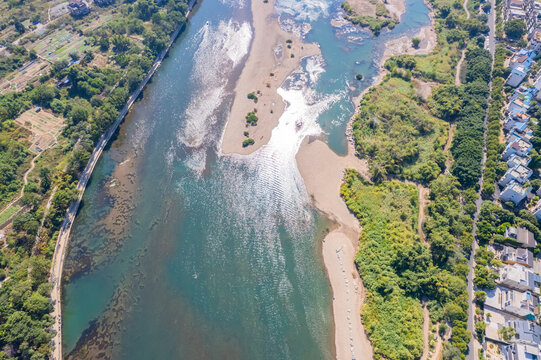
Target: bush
[
  {"x": 415, "y": 42},
  {"x": 251, "y": 118},
  {"x": 248, "y": 142}
]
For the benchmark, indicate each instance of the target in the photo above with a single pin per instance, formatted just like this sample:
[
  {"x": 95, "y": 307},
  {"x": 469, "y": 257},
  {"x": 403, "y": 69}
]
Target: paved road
[
  {"x": 473, "y": 347},
  {"x": 63, "y": 237}
]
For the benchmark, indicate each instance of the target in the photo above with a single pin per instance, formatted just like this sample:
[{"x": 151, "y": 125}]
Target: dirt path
[
  {"x": 45, "y": 213},
  {"x": 458, "y": 82},
  {"x": 426, "y": 333},
  {"x": 423, "y": 202},
  {"x": 447, "y": 147},
  {"x": 25, "y": 182}
]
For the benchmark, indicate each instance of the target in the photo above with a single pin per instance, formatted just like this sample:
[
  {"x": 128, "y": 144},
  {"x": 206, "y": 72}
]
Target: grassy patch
[
  {"x": 396, "y": 132},
  {"x": 6, "y": 214}
]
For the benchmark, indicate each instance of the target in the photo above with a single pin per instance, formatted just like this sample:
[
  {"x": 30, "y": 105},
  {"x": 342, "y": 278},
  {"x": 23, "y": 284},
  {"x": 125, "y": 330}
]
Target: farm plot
[
  {"x": 44, "y": 126},
  {"x": 59, "y": 45},
  {"x": 19, "y": 79}
]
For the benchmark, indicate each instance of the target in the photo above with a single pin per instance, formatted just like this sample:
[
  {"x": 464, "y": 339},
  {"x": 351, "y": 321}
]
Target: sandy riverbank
[
  {"x": 269, "y": 53},
  {"x": 322, "y": 171}
]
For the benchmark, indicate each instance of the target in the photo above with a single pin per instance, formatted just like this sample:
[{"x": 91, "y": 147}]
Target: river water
[{"x": 182, "y": 252}]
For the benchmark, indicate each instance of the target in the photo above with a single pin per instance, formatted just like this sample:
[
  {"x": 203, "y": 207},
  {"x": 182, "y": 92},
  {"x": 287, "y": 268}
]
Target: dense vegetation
[
  {"x": 389, "y": 260},
  {"x": 466, "y": 105},
  {"x": 375, "y": 24},
  {"x": 402, "y": 136},
  {"x": 89, "y": 100},
  {"x": 494, "y": 167},
  {"x": 396, "y": 132},
  {"x": 398, "y": 271}
]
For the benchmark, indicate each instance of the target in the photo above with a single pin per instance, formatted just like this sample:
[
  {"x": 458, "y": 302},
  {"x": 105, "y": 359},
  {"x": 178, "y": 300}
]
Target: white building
[
  {"x": 514, "y": 192},
  {"x": 518, "y": 277},
  {"x": 519, "y": 173}
]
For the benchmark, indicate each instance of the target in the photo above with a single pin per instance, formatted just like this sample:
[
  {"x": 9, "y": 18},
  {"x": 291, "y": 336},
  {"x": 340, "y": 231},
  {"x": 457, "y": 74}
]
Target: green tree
[{"x": 515, "y": 29}]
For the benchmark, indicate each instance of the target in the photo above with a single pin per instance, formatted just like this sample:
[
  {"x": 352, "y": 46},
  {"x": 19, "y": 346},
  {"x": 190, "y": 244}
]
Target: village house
[
  {"x": 516, "y": 146},
  {"x": 516, "y": 76},
  {"x": 510, "y": 255},
  {"x": 518, "y": 277},
  {"x": 525, "y": 331},
  {"x": 523, "y": 57},
  {"x": 519, "y": 351},
  {"x": 519, "y": 303},
  {"x": 515, "y": 160},
  {"x": 78, "y": 8},
  {"x": 515, "y": 192},
  {"x": 519, "y": 173}
]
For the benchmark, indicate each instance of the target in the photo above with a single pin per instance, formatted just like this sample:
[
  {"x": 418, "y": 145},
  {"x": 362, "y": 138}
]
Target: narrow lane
[{"x": 473, "y": 345}]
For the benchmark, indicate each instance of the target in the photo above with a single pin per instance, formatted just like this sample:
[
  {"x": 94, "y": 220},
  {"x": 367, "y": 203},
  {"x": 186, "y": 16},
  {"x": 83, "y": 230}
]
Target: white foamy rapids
[
  {"x": 220, "y": 50},
  {"x": 234, "y": 3},
  {"x": 275, "y": 164},
  {"x": 314, "y": 67},
  {"x": 307, "y": 10}
]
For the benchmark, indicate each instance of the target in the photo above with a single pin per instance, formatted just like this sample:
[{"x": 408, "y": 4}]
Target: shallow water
[{"x": 181, "y": 252}]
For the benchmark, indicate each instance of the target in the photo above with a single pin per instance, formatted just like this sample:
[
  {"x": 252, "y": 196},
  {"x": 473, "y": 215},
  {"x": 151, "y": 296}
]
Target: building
[
  {"x": 526, "y": 332},
  {"x": 536, "y": 210},
  {"x": 519, "y": 351},
  {"x": 514, "y": 9},
  {"x": 519, "y": 303},
  {"x": 519, "y": 173},
  {"x": 517, "y": 146},
  {"x": 515, "y": 192},
  {"x": 531, "y": 17},
  {"x": 517, "y": 75},
  {"x": 103, "y": 3},
  {"x": 522, "y": 58},
  {"x": 510, "y": 255},
  {"x": 78, "y": 8},
  {"x": 515, "y": 160},
  {"x": 535, "y": 40},
  {"x": 518, "y": 277}
]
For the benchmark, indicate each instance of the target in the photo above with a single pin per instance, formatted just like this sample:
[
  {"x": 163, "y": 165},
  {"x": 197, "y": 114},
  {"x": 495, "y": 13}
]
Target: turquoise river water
[{"x": 180, "y": 252}]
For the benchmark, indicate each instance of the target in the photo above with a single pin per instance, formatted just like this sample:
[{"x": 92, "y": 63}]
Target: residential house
[
  {"x": 515, "y": 160},
  {"x": 514, "y": 9},
  {"x": 518, "y": 277},
  {"x": 517, "y": 75},
  {"x": 510, "y": 255},
  {"x": 520, "y": 351},
  {"x": 526, "y": 332},
  {"x": 525, "y": 238},
  {"x": 519, "y": 303},
  {"x": 518, "y": 146},
  {"x": 515, "y": 192},
  {"x": 519, "y": 173},
  {"x": 78, "y": 8},
  {"x": 521, "y": 235},
  {"x": 536, "y": 210}
]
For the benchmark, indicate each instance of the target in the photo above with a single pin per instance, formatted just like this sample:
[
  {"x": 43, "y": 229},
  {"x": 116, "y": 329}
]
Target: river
[{"x": 181, "y": 252}]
